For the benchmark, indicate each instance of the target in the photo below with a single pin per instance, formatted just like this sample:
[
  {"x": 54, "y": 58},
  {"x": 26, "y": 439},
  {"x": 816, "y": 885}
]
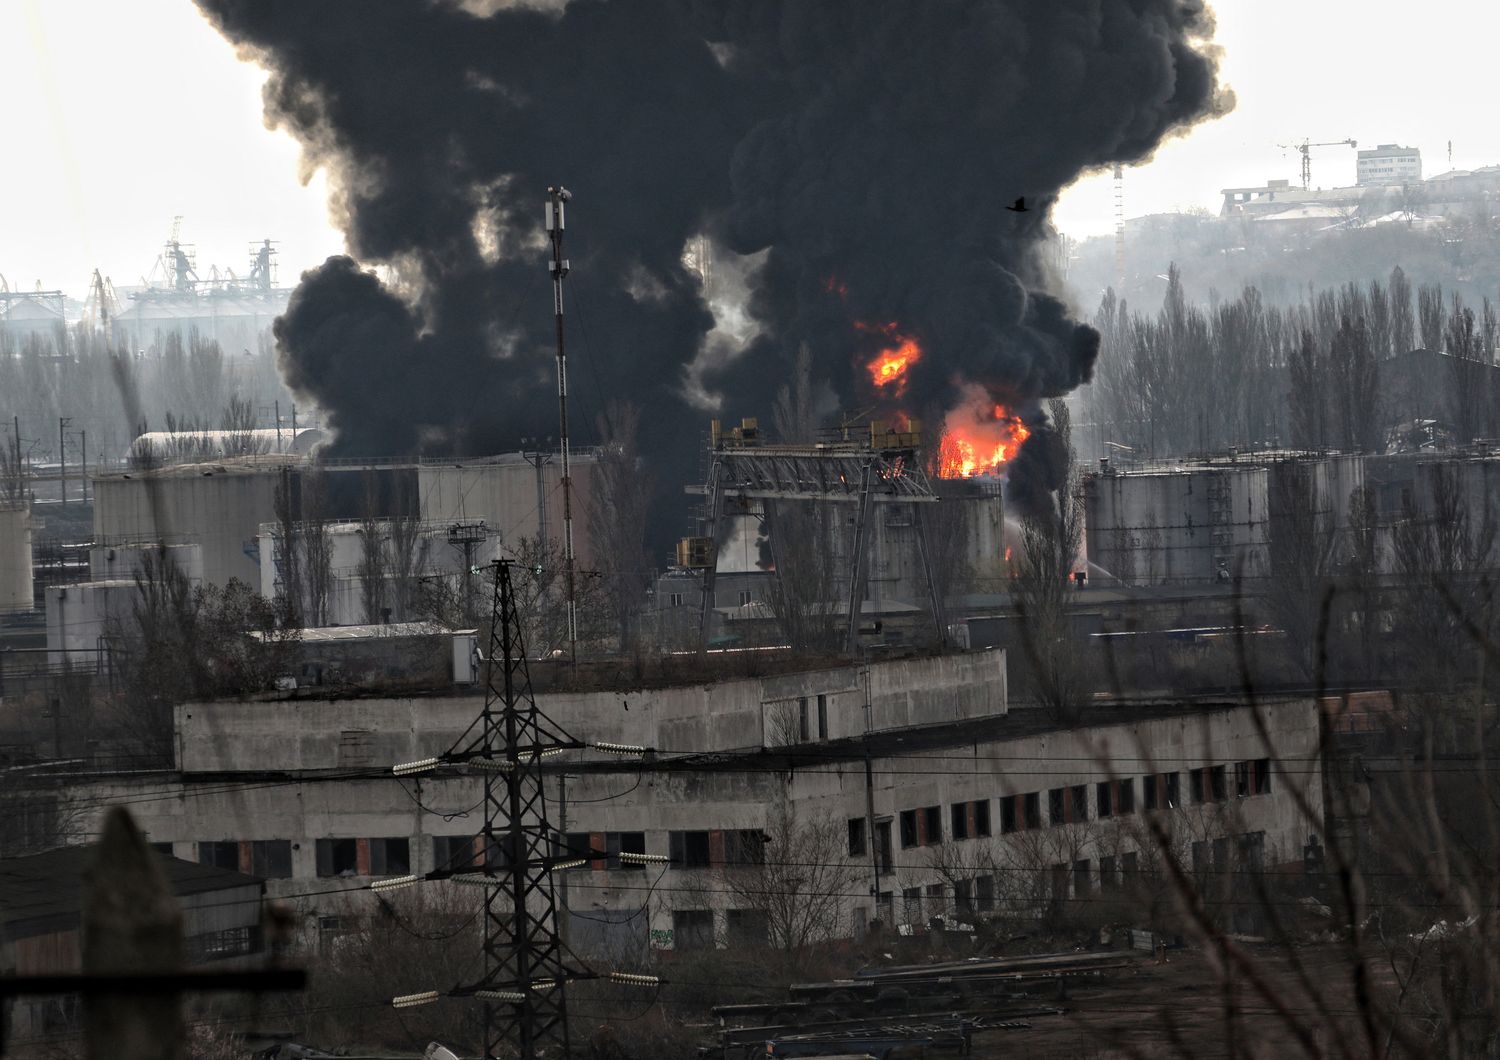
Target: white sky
[{"x": 120, "y": 114}]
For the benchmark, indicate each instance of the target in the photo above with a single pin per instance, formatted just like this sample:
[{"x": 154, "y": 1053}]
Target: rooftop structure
[{"x": 1388, "y": 164}]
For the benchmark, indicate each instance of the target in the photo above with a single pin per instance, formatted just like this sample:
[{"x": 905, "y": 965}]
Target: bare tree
[
  {"x": 1469, "y": 377},
  {"x": 1301, "y": 555},
  {"x": 317, "y": 548},
  {"x": 798, "y": 881},
  {"x": 620, "y": 498},
  {"x": 372, "y": 558},
  {"x": 1430, "y": 317},
  {"x": 1050, "y": 541},
  {"x": 287, "y": 548},
  {"x": 1403, "y": 327}
]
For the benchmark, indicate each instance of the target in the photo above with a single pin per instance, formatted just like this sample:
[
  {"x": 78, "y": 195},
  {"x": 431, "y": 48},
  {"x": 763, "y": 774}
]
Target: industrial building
[
  {"x": 905, "y": 761},
  {"x": 16, "y": 579},
  {"x": 41, "y": 923}
]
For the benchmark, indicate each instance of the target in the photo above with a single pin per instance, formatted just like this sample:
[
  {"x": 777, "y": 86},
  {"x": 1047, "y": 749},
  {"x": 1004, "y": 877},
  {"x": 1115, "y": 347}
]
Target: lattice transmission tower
[{"x": 524, "y": 987}]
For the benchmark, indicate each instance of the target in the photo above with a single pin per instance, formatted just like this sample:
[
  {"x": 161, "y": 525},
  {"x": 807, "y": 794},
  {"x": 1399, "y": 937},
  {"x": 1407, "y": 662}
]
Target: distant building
[{"x": 1388, "y": 164}]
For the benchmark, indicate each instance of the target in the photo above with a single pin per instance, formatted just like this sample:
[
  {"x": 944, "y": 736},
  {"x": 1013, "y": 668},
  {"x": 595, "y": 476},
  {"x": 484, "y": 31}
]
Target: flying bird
[{"x": 1019, "y": 206}]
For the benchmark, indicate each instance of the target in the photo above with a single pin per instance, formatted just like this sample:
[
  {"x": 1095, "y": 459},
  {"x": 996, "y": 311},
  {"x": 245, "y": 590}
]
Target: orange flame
[
  {"x": 888, "y": 367},
  {"x": 979, "y": 437}
]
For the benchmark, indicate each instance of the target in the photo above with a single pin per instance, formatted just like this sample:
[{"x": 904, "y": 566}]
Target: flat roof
[{"x": 44, "y": 892}]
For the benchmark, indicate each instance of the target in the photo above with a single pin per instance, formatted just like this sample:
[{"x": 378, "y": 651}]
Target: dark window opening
[
  {"x": 390, "y": 857},
  {"x": 960, "y": 816},
  {"x": 338, "y": 857},
  {"x": 908, "y": 829},
  {"x": 1262, "y": 776},
  {"x": 856, "y": 837},
  {"x": 221, "y": 855},
  {"x": 688, "y": 850},
  {"x": 984, "y": 894},
  {"x": 747, "y": 927},
  {"x": 822, "y": 717},
  {"x": 1080, "y": 802},
  {"x": 1174, "y": 790},
  {"x": 617, "y": 843},
  {"x": 934, "y": 822},
  {"x": 1125, "y": 796},
  {"x": 1102, "y": 799},
  {"x": 963, "y": 898},
  {"x": 1034, "y": 810},
  {"x": 1195, "y": 786},
  {"x": 271, "y": 858},
  {"x": 745, "y": 846},
  {"x": 454, "y": 853},
  {"x": 1218, "y": 783},
  {"x": 1007, "y": 815},
  {"x": 693, "y": 929},
  {"x": 1150, "y": 787},
  {"x": 1055, "y": 806},
  {"x": 883, "y": 846},
  {"x": 982, "y": 817}
]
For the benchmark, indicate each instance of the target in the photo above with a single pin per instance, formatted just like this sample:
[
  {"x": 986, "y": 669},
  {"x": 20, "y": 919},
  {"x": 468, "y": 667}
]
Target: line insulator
[
  {"x": 394, "y": 884},
  {"x": 421, "y": 765},
  {"x": 426, "y": 997}
]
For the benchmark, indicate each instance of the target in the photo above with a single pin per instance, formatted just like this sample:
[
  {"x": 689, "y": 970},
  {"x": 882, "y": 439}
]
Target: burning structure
[{"x": 813, "y": 137}]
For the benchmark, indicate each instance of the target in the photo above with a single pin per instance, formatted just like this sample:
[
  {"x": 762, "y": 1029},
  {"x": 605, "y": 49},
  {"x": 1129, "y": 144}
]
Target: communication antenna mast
[
  {"x": 1120, "y": 227},
  {"x": 557, "y": 198}
]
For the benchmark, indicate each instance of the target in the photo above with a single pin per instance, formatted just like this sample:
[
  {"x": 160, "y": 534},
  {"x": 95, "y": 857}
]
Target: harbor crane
[{"x": 1305, "y": 148}]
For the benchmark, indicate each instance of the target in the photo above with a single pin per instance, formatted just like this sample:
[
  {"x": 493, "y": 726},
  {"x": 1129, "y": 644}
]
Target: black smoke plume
[{"x": 868, "y": 147}]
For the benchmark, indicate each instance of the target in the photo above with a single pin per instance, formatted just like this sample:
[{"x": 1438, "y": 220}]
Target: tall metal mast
[{"x": 557, "y": 198}]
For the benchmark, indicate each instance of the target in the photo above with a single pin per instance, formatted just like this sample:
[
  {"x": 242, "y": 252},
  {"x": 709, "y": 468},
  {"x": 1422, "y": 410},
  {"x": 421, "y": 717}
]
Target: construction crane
[{"x": 1305, "y": 147}]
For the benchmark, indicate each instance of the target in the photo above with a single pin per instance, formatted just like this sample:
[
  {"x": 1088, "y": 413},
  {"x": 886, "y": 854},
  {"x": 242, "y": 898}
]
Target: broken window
[
  {"x": 822, "y": 717},
  {"x": 960, "y": 817},
  {"x": 1241, "y": 780},
  {"x": 856, "y": 837},
  {"x": 1080, "y": 807},
  {"x": 1262, "y": 776},
  {"x": 1102, "y": 799},
  {"x": 688, "y": 850},
  {"x": 984, "y": 894},
  {"x": 1125, "y": 796},
  {"x": 1129, "y": 866},
  {"x": 744, "y": 597},
  {"x": 1174, "y": 790},
  {"x": 1195, "y": 783},
  {"x": 1150, "y": 788},
  {"x": 271, "y": 858},
  {"x": 908, "y": 829},
  {"x": 338, "y": 857},
  {"x": 933, "y": 820},
  {"x": 1082, "y": 883},
  {"x": 223, "y": 854},
  {"x": 883, "y": 846},
  {"x": 1218, "y": 783},
  {"x": 982, "y": 817},
  {"x": 804, "y": 730},
  {"x": 675, "y": 599}
]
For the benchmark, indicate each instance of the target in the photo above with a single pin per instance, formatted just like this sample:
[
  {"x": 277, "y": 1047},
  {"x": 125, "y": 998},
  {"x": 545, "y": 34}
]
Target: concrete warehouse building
[{"x": 299, "y": 790}]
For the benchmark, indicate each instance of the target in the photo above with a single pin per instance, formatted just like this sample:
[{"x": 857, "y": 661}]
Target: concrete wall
[
  {"x": 124, "y": 562},
  {"x": 306, "y": 734},
  {"x": 511, "y": 495},
  {"x": 16, "y": 588}
]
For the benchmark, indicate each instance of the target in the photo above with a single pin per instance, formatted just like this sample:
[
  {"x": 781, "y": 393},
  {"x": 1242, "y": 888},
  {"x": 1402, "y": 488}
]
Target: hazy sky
[{"x": 120, "y": 115}]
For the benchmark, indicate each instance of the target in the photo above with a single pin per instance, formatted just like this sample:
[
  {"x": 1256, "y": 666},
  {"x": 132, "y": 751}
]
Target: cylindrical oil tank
[{"x": 15, "y": 558}]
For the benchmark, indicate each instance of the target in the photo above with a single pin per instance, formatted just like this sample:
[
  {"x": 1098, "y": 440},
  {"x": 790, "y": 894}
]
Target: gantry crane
[{"x": 1305, "y": 147}]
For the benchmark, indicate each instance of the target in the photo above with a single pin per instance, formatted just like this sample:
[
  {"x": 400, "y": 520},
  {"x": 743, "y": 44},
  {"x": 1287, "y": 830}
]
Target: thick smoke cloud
[{"x": 868, "y": 148}]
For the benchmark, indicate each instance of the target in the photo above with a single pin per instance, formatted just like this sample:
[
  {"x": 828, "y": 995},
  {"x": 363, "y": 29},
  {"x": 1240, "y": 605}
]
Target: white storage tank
[{"x": 16, "y": 591}]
